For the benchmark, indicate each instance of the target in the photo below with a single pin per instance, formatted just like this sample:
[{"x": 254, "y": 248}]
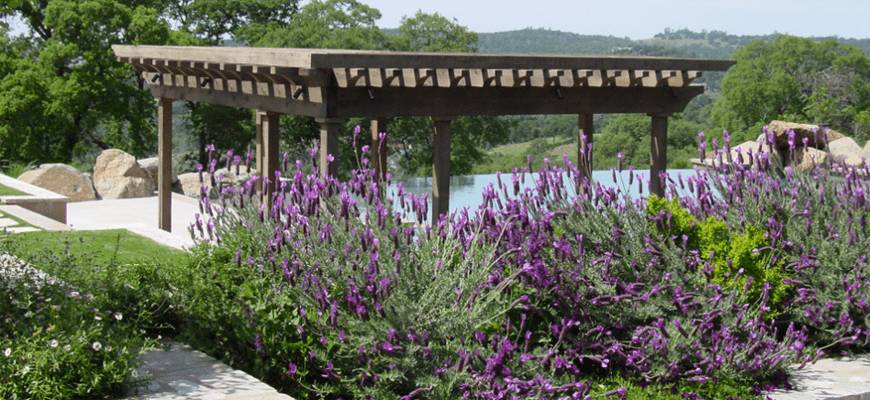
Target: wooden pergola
[{"x": 333, "y": 85}]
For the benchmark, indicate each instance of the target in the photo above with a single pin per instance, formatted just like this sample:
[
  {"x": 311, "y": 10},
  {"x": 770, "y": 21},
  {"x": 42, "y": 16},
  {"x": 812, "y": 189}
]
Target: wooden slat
[
  {"x": 424, "y": 77},
  {"x": 320, "y": 58},
  {"x": 553, "y": 77},
  {"x": 492, "y": 77},
  {"x": 521, "y": 77}
]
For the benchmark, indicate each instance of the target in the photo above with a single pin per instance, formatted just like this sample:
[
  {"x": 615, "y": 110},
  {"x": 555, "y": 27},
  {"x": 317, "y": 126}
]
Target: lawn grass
[
  {"x": 118, "y": 246},
  {"x": 8, "y": 191}
]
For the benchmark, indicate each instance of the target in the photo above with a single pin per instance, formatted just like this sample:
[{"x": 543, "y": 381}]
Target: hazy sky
[{"x": 642, "y": 19}]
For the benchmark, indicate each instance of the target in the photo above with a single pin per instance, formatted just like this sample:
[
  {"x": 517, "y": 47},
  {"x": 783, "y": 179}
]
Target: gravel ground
[{"x": 14, "y": 269}]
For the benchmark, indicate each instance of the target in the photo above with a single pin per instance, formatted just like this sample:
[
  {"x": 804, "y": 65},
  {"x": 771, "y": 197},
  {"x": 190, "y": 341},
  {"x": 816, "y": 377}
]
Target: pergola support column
[
  {"x": 378, "y": 157},
  {"x": 329, "y": 129},
  {"x": 270, "y": 155},
  {"x": 658, "y": 154},
  {"x": 441, "y": 169},
  {"x": 164, "y": 166},
  {"x": 584, "y": 149},
  {"x": 258, "y": 152}
]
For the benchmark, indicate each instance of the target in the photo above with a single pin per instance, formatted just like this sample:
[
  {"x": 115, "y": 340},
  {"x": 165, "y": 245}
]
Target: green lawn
[
  {"x": 104, "y": 246},
  {"x": 8, "y": 191}
]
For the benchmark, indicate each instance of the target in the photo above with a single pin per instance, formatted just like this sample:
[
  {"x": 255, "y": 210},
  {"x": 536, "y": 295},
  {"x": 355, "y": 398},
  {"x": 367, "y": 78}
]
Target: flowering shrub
[
  {"x": 341, "y": 291},
  {"x": 60, "y": 342}
]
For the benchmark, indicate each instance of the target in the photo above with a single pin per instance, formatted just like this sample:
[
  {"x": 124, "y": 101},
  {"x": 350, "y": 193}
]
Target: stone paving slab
[
  {"x": 846, "y": 378},
  {"x": 4, "y": 222},
  {"x": 183, "y": 373},
  {"x": 21, "y": 229}
]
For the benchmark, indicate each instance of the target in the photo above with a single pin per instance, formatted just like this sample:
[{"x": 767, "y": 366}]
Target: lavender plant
[{"x": 556, "y": 291}]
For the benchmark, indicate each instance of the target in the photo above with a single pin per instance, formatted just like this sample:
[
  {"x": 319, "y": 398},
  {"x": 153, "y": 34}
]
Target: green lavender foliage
[{"x": 731, "y": 254}]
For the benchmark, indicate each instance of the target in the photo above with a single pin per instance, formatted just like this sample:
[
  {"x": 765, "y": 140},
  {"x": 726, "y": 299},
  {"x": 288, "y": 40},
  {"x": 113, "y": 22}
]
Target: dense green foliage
[
  {"x": 79, "y": 336},
  {"x": 799, "y": 80},
  {"x": 735, "y": 259},
  {"x": 62, "y": 93}
]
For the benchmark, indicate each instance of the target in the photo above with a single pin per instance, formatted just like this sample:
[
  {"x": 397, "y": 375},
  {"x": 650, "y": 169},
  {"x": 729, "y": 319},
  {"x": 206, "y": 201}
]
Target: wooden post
[
  {"x": 270, "y": 155},
  {"x": 329, "y": 128},
  {"x": 258, "y": 156},
  {"x": 658, "y": 154},
  {"x": 441, "y": 169},
  {"x": 584, "y": 152},
  {"x": 164, "y": 165},
  {"x": 378, "y": 158}
]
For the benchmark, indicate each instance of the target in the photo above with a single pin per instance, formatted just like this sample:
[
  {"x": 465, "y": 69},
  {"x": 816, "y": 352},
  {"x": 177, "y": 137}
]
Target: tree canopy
[
  {"x": 795, "y": 79},
  {"x": 63, "y": 93}
]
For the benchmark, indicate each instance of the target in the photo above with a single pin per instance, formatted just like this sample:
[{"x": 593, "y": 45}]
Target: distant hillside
[
  {"x": 670, "y": 43},
  {"x": 719, "y": 44},
  {"x": 545, "y": 41}
]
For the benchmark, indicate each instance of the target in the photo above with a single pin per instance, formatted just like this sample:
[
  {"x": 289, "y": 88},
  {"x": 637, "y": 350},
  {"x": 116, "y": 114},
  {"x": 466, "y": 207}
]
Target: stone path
[
  {"x": 12, "y": 225},
  {"x": 182, "y": 373},
  {"x": 833, "y": 378}
]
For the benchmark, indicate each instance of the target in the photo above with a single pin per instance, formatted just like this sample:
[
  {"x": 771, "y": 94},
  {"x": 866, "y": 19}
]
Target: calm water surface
[{"x": 466, "y": 191}]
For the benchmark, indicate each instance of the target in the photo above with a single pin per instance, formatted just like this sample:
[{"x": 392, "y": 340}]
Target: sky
[{"x": 642, "y": 19}]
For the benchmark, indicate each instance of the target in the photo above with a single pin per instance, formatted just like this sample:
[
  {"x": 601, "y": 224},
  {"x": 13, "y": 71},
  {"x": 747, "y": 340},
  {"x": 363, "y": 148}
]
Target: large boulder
[
  {"x": 117, "y": 175},
  {"x": 807, "y": 158},
  {"x": 61, "y": 179},
  {"x": 816, "y": 136},
  {"x": 150, "y": 165},
  {"x": 747, "y": 153},
  {"x": 844, "y": 148},
  {"x": 124, "y": 188},
  {"x": 191, "y": 185}
]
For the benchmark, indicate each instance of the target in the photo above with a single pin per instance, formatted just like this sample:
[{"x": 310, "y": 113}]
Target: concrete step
[{"x": 33, "y": 218}]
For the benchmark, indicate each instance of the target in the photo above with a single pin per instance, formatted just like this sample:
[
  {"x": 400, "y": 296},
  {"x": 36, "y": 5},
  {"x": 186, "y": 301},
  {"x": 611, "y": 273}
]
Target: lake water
[{"x": 466, "y": 191}]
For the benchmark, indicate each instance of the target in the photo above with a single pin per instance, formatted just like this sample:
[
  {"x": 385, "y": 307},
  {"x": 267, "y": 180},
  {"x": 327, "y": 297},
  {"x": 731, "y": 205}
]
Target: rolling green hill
[{"x": 670, "y": 43}]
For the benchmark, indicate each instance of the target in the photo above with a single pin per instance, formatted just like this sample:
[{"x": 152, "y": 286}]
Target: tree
[
  {"x": 794, "y": 79},
  {"x": 6, "y": 9},
  {"x": 469, "y": 135},
  {"x": 433, "y": 32},
  {"x": 63, "y": 93},
  {"x": 333, "y": 24},
  {"x": 214, "y": 21},
  {"x": 630, "y": 135}
]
